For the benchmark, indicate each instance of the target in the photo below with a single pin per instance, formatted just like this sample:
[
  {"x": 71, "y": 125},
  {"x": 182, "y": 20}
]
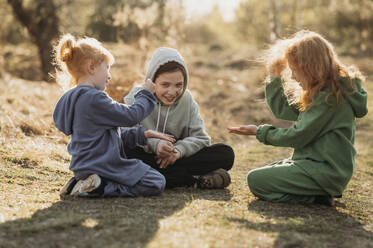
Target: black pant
[{"x": 181, "y": 173}]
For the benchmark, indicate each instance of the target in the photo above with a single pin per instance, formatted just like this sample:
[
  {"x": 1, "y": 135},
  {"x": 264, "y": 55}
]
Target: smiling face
[
  {"x": 101, "y": 76},
  {"x": 169, "y": 86}
]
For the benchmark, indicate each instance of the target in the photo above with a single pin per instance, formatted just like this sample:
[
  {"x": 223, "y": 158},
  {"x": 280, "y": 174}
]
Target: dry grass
[{"x": 34, "y": 166}]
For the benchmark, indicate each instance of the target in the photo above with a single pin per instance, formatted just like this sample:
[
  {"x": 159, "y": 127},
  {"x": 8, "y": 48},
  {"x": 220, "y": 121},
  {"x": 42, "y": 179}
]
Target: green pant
[{"x": 284, "y": 181}]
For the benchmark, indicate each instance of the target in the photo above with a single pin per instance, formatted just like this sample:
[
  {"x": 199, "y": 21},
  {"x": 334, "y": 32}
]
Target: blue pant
[{"x": 152, "y": 183}]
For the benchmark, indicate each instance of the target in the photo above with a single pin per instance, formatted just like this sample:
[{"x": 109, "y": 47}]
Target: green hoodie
[
  {"x": 181, "y": 119},
  {"x": 323, "y": 135}
]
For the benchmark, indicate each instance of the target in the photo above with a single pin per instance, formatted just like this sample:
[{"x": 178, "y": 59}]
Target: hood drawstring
[
  {"x": 159, "y": 115},
  {"x": 165, "y": 121}
]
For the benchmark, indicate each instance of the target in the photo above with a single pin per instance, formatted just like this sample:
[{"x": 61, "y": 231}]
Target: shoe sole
[
  {"x": 224, "y": 177},
  {"x": 66, "y": 189},
  {"x": 87, "y": 185}
]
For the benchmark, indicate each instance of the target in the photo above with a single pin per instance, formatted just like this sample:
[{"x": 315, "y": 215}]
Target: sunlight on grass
[{"x": 90, "y": 223}]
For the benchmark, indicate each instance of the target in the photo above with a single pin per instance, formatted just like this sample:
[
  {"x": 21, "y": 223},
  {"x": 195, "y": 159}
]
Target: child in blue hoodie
[{"x": 92, "y": 118}]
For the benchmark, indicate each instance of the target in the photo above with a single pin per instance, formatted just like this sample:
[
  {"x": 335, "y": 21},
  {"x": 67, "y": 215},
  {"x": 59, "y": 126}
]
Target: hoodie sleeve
[
  {"x": 134, "y": 136},
  {"x": 107, "y": 112},
  {"x": 198, "y": 138},
  {"x": 310, "y": 124},
  {"x": 278, "y": 102},
  {"x": 130, "y": 98},
  {"x": 151, "y": 146},
  {"x": 357, "y": 97}
]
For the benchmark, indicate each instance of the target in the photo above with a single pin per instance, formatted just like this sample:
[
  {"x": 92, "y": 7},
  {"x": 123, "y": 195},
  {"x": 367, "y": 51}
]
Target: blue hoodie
[{"x": 92, "y": 119}]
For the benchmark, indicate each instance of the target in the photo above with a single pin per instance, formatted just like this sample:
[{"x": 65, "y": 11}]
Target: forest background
[{"x": 226, "y": 79}]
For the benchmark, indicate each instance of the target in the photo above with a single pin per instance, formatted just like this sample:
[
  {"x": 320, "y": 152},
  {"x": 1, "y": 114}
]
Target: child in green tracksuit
[{"x": 329, "y": 100}]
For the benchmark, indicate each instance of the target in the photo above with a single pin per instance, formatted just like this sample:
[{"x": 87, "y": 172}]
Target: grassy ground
[{"x": 34, "y": 166}]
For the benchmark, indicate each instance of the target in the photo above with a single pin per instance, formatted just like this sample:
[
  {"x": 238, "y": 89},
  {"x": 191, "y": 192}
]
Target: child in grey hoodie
[
  {"x": 92, "y": 118},
  {"x": 191, "y": 160}
]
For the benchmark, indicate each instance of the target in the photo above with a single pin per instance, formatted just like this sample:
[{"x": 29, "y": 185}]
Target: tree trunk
[
  {"x": 274, "y": 12},
  {"x": 41, "y": 23},
  {"x": 300, "y": 15}
]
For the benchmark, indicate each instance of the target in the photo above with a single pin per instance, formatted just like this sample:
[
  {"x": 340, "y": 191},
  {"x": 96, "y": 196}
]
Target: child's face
[
  {"x": 101, "y": 76},
  {"x": 169, "y": 86}
]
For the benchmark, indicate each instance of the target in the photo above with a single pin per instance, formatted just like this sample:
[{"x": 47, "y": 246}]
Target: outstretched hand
[
  {"x": 158, "y": 135},
  {"x": 243, "y": 129}
]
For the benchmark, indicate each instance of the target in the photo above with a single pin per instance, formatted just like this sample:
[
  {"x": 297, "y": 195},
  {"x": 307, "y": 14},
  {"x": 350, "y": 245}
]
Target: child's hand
[
  {"x": 244, "y": 130},
  {"x": 148, "y": 84},
  {"x": 164, "y": 149},
  {"x": 170, "y": 160},
  {"x": 158, "y": 135},
  {"x": 276, "y": 67}
]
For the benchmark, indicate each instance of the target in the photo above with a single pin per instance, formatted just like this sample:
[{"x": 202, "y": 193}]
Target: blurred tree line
[
  {"x": 130, "y": 21},
  {"x": 347, "y": 23}
]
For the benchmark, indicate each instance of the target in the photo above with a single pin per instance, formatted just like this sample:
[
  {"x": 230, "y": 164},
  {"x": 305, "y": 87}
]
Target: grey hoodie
[{"x": 181, "y": 119}]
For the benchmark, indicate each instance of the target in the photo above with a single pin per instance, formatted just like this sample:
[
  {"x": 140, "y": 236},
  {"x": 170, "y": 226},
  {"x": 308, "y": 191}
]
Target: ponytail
[
  {"x": 67, "y": 44},
  {"x": 70, "y": 56}
]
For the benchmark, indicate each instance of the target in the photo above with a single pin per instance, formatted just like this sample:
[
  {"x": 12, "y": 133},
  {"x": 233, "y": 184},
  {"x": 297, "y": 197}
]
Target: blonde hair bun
[
  {"x": 67, "y": 44},
  {"x": 72, "y": 54}
]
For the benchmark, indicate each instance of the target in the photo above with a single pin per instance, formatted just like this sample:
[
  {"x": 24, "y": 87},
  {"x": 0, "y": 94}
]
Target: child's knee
[
  {"x": 161, "y": 183},
  {"x": 158, "y": 183},
  {"x": 255, "y": 179},
  {"x": 228, "y": 156}
]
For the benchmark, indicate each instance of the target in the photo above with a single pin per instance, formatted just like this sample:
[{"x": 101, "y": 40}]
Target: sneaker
[
  {"x": 82, "y": 187},
  {"x": 96, "y": 193},
  {"x": 324, "y": 200},
  {"x": 217, "y": 179},
  {"x": 66, "y": 189}
]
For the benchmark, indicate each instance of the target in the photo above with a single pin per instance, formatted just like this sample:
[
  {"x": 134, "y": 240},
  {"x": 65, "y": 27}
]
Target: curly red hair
[{"x": 315, "y": 59}]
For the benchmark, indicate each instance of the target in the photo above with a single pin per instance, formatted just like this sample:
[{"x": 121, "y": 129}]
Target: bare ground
[{"x": 229, "y": 88}]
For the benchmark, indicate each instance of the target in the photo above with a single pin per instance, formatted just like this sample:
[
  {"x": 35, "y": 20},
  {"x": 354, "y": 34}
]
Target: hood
[
  {"x": 357, "y": 97},
  {"x": 63, "y": 114},
  {"x": 162, "y": 56}
]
